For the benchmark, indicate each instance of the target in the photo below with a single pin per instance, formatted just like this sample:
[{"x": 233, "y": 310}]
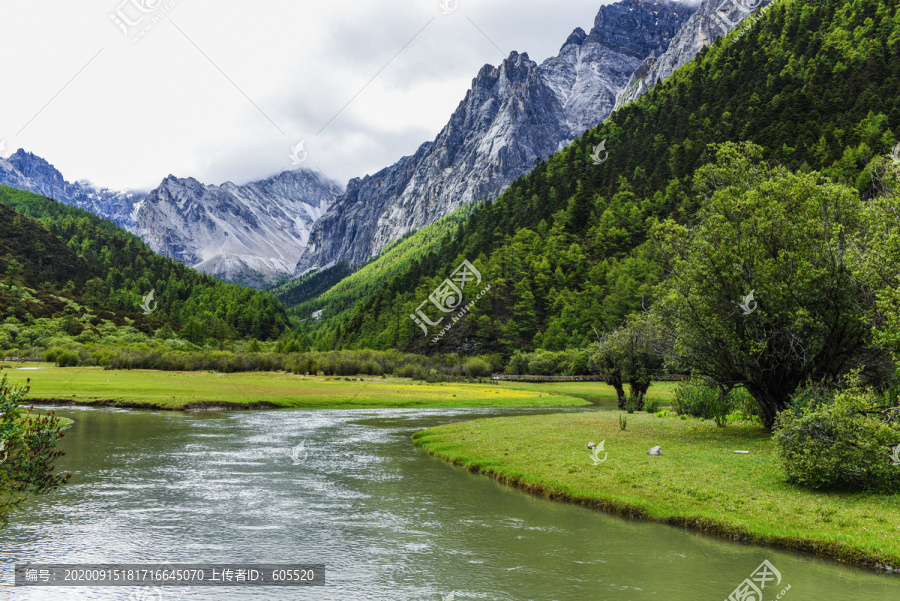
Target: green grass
[
  {"x": 593, "y": 392},
  {"x": 698, "y": 482},
  {"x": 180, "y": 390}
]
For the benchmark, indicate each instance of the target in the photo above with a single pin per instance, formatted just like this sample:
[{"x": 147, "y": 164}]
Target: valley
[{"x": 694, "y": 202}]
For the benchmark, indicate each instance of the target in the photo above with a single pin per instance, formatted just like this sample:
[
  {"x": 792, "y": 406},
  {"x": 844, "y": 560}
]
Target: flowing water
[{"x": 388, "y": 521}]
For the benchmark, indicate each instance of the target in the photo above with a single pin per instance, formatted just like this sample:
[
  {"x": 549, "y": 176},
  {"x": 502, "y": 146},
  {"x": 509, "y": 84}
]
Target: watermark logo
[
  {"x": 601, "y": 147},
  {"x": 4, "y": 456},
  {"x": 298, "y": 153},
  {"x": 895, "y": 457},
  {"x": 135, "y": 18},
  {"x": 595, "y": 452},
  {"x": 145, "y": 304},
  {"x": 3, "y": 148},
  {"x": 448, "y": 297},
  {"x": 450, "y": 597},
  {"x": 448, "y": 6},
  {"x": 745, "y": 305},
  {"x": 751, "y": 589},
  {"x": 147, "y": 593},
  {"x": 895, "y": 152},
  {"x": 299, "y": 453}
]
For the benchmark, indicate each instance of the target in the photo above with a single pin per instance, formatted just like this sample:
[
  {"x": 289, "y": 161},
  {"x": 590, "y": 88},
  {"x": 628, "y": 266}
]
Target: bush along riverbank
[{"x": 699, "y": 481}]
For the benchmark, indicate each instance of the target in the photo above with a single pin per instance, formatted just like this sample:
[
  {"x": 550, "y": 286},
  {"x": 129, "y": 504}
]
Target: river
[{"x": 387, "y": 520}]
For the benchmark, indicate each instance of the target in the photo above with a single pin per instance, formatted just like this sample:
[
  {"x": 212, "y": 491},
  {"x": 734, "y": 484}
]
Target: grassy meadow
[
  {"x": 698, "y": 481},
  {"x": 187, "y": 390}
]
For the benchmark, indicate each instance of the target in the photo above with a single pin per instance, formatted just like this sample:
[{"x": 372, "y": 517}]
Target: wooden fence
[{"x": 514, "y": 378}]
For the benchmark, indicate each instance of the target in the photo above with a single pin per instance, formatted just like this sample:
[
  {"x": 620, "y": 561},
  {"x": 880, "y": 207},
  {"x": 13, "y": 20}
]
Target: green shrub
[
  {"x": 415, "y": 372},
  {"x": 581, "y": 364},
  {"x": 721, "y": 406},
  {"x": 651, "y": 405},
  {"x": 348, "y": 367},
  {"x": 840, "y": 440},
  {"x": 370, "y": 368},
  {"x": 518, "y": 364},
  {"x": 67, "y": 359},
  {"x": 542, "y": 364},
  {"x": 696, "y": 399},
  {"x": 477, "y": 368},
  {"x": 746, "y": 406},
  {"x": 631, "y": 402},
  {"x": 166, "y": 332}
]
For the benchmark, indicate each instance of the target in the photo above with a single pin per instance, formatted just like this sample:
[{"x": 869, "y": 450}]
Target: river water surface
[{"x": 388, "y": 521}]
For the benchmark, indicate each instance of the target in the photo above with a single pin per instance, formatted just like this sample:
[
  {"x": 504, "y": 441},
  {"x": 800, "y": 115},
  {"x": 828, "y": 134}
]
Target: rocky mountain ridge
[
  {"x": 27, "y": 171},
  {"x": 515, "y": 114},
  {"x": 251, "y": 234},
  {"x": 712, "y": 20}
]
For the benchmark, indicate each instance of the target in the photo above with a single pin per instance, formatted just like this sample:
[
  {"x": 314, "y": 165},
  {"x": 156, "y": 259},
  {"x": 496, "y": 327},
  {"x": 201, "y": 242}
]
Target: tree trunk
[
  {"x": 638, "y": 391},
  {"x": 620, "y": 394},
  {"x": 770, "y": 402}
]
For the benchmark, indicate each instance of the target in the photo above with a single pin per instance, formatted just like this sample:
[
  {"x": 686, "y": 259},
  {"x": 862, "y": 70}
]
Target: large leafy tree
[
  {"x": 877, "y": 253},
  {"x": 27, "y": 451},
  {"x": 787, "y": 238},
  {"x": 632, "y": 354}
]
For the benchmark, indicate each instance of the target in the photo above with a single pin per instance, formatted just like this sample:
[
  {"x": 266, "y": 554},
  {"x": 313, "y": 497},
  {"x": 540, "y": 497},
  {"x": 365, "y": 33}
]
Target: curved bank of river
[
  {"x": 389, "y": 521},
  {"x": 723, "y": 481}
]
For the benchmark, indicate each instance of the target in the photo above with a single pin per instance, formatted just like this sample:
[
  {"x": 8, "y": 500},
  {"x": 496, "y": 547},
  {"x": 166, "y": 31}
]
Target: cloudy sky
[{"x": 125, "y": 92}]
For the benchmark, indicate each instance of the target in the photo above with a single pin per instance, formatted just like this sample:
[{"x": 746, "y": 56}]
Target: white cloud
[{"x": 140, "y": 111}]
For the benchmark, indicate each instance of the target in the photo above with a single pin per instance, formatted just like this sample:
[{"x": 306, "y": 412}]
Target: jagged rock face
[
  {"x": 712, "y": 20},
  {"x": 26, "y": 171},
  {"x": 592, "y": 67},
  {"x": 514, "y": 115},
  {"x": 508, "y": 119},
  {"x": 250, "y": 234}
]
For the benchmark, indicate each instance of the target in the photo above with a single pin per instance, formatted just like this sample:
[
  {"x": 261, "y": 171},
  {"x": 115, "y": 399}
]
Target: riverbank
[
  {"x": 150, "y": 389},
  {"x": 698, "y": 482}
]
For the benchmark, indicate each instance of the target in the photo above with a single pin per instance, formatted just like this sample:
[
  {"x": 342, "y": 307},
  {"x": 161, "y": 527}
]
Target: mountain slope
[
  {"x": 250, "y": 234},
  {"x": 514, "y": 114},
  {"x": 712, "y": 20},
  {"x": 26, "y": 171},
  {"x": 75, "y": 263},
  {"x": 306, "y": 296},
  {"x": 564, "y": 247}
]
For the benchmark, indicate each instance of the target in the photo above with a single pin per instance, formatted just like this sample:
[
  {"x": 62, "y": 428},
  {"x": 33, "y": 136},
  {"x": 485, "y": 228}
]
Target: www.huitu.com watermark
[
  {"x": 748, "y": 23},
  {"x": 724, "y": 13},
  {"x": 448, "y": 298},
  {"x": 135, "y": 18}
]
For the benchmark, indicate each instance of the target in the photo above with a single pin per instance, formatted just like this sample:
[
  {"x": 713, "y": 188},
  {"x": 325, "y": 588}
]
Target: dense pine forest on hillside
[
  {"x": 565, "y": 247},
  {"x": 85, "y": 276}
]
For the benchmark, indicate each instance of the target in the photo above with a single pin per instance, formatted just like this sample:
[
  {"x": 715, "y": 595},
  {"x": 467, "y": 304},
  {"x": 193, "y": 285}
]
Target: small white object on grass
[{"x": 742, "y": 452}]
